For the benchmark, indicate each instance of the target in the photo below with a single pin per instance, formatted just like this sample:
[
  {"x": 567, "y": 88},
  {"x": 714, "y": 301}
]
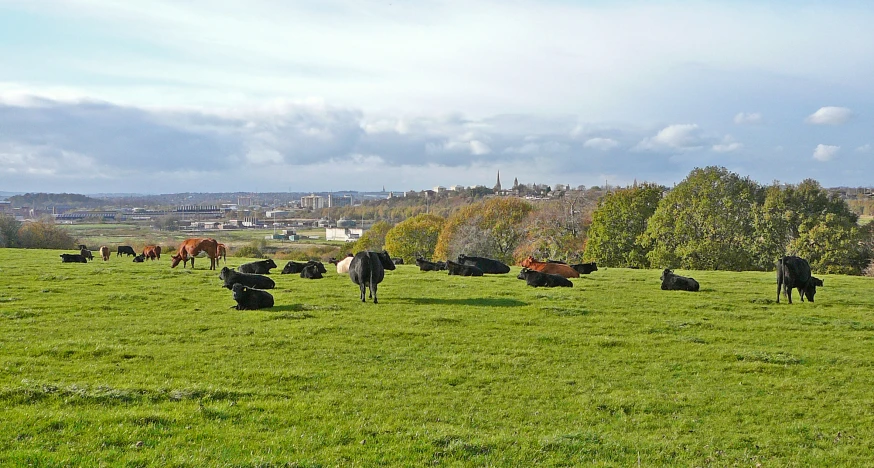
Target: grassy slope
[{"x": 137, "y": 364}]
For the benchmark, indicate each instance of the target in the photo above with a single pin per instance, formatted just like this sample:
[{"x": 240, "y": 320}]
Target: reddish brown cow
[
  {"x": 551, "y": 268},
  {"x": 152, "y": 252},
  {"x": 104, "y": 252},
  {"x": 193, "y": 246},
  {"x": 222, "y": 253}
]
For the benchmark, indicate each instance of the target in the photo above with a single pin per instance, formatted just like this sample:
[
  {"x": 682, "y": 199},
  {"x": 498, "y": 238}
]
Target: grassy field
[{"x": 123, "y": 364}]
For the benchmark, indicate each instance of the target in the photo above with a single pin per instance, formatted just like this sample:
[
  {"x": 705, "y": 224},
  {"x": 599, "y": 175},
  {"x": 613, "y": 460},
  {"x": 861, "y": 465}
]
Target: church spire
[{"x": 498, "y": 185}]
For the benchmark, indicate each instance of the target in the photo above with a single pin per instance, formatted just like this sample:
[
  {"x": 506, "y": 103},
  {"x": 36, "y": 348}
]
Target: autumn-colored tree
[
  {"x": 373, "y": 238},
  {"x": 416, "y": 236},
  {"x": 493, "y": 228},
  {"x": 44, "y": 234},
  {"x": 557, "y": 228},
  {"x": 618, "y": 222}
]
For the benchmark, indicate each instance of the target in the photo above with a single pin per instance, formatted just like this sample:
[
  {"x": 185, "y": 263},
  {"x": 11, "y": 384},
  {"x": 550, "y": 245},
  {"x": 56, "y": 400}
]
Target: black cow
[
  {"x": 672, "y": 282},
  {"x": 397, "y": 260},
  {"x": 425, "y": 265},
  {"x": 794, "y": 272},
  {"x": 546, "y": 280},
  {"x": 82, "y": 247},
  {"x": 261, "y": 267},
  {"x": 231, "y": 277},
  {"x": 584, "y": 268},
  {"x": 487, "y": 265},
  {"x": 462, "y": 270},
  {"x": 125, "y": 249},
  {"x": 139, "y": 258},
  {"x": 86, "y": 253},
  {"x": 368, "y": 269},
  {"x": 311, "y": 272},
  {"x": 297, "y": 267},
  {"x": 251, "y": 299},
  {"x": 73, "y": 258}
]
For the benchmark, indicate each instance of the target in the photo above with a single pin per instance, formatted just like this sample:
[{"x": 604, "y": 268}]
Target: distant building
[
  {"x": 439, "y": 189},
  {"x": 343, "y": 234},
  {"x": 313, "y": 201},
  {"x": 456, "y": 188}
]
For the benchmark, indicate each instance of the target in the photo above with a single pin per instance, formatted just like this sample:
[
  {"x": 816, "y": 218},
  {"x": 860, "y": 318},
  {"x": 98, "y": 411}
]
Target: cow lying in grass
[
  {"x": 251, "y": 299},
  {"x": 486, "y": 265},
  {"x": 73, "y": 258},
  {"x": 546, "y": 280},
  {"x": 311, "y": 272},
  {"x": 297, "y": 267},
  {"x": 231, "y": 277},
  {"x": 425, "y": 265},
  {"x": 672, "y": 282},
  {"x": 462, "y": 270},
  {"x": 261, "y": 267}
]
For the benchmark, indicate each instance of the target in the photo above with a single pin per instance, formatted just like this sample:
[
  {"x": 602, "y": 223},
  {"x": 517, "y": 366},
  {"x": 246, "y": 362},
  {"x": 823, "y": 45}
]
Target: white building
[
  {"x": 343, "y": 234},
  {"x": 313, "y": 201}
]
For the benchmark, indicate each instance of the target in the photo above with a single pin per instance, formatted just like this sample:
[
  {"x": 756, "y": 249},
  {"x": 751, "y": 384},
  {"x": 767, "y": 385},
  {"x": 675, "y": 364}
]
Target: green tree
[
  {"x": 373, "y": 238},
  {"x": 618, "y": 223},
  {"x": 493, "y": 228},
  {"x": 44, "y": 234},
  {"x": 9, "y": 231},
  {"x": 705, "y": 223},
  {"x": 557, "y": 228},
  {"x": 415, "y": 236}
]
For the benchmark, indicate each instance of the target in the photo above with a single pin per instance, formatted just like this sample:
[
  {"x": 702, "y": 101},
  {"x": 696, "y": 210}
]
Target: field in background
[{"x": 118, "y": 363}]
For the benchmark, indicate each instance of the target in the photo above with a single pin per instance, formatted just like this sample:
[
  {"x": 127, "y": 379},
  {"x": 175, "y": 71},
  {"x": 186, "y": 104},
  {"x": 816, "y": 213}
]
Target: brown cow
[
  {"x": 104, "y": 252},
  {"x": 152, "y": 252},
  {"x": 551, "y": 268},
  {"x": 193, "y": 246},
  {"x": 222, "y": 253}
]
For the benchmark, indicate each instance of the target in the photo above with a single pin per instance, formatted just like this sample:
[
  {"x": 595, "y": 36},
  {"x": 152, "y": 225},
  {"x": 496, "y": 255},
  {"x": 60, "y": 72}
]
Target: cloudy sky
[{"x": 159, "y": 96}]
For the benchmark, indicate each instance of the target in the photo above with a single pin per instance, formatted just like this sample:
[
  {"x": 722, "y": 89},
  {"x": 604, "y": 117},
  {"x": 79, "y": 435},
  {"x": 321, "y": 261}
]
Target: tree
[
  {"x": 618, "y": 223},
  {"x": 44, "y": 234},
  {"x": 373, "y": 238},
  {"x": 705, "y": 223},
  {"x": 9, "y": 231},
  {"x": 493, "y": 228},
  {"x": 414, "y": 237},
  {"x": 557, "y": 228}
]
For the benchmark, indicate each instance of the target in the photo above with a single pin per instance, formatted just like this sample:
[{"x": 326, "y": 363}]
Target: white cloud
[
  {"x": 825, "y": 152},
  {"x": 864, "y": 148},
  {"x": 752, "y": 118},
  {"x": 727, "y": 147},
  {"x": 675, "y": 137},
  {"x": 830, "y": 116},
  {"x": 603, "y": 144},
  {"x": 479, "y": 148}
]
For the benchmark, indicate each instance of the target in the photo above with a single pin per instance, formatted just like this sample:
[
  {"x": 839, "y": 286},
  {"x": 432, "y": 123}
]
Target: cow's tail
[{"x": 780, "y": 262}]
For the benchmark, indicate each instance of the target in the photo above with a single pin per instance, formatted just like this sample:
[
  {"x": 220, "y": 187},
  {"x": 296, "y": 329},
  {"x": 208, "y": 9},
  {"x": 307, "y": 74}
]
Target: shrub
[{"x": 44, "y": 234}]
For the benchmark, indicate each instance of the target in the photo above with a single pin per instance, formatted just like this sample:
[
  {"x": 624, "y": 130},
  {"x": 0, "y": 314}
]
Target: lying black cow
[
  {"x": 297, "y": 267},
  {"x": 584, "y": 268},
  {"x": 261, "y": 267},
  {"x": 425, "y": 265},
  {"x": 311, "y": 272},
  {"x": 125, "y": 249},
  {"x": 462, "y": 270},
  {"x": 140, "y": 258},
  {"x": 251, "y": 299},
  {"x": 397, "y": 260},
  {"x": 367, "y": 270},
  {"x": 672, "y": 282},
  {"x": 231, "y": 277},
  {"x": 87, "y": 254},
  {"x": 546, "y": 280},
  {"x": 487, "y": 265},
  {"x": 794, "y": 272},
  {"x": 73, "y": 258}
]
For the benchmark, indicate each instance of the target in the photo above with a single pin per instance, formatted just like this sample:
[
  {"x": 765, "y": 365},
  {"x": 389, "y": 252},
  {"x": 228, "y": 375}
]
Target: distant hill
[{"x": 44, "y": 199}]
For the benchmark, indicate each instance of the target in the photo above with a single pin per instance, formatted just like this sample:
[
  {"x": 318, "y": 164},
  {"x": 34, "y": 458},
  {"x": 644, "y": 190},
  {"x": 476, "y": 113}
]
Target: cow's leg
[
  {"x": 373, "y": 290},
  {"x": 362, "y": 286},
  {"x": 789, "y": 294},
  {"x": 801, "y": 293}
]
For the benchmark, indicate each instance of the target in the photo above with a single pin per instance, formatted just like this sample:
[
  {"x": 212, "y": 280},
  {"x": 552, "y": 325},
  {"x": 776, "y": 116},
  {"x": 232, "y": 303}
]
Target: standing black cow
[
  {"x": 584, "y": 268},
  {"x": 261, "y": 267},
  {"x": 125, "y": 249},
  {"x": 462, "y": 270},
  {"x": 368, "y": 269},
  {"x": 230, "y": 277},
  {"x": 794, "y": 272},
  {"x": 251, "y": 299},
  {"x": 672, "y": 282},
  {"x": 547, "y": 280},
  {"x": 87, "y": 254},
  {"x": 487, "y": 265},
  {"x": 311, "y": 272},
  {"x": 73, "y": 258}
]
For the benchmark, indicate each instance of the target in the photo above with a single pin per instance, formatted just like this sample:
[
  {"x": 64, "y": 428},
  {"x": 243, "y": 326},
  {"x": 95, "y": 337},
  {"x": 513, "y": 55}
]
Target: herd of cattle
[{"x": 367, "y": 269}]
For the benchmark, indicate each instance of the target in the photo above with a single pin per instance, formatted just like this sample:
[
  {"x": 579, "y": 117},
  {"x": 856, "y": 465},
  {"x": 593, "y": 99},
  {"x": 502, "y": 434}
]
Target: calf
[
  {"x": 584, "y": 268},
  {"x": 537, "y": 279},
  {"x": 231, "y": 277},
  {"x": 125, "y": 249},
  {"x": 794, "y": 272},
  {"x": 367, "y": 270},
  {"x": 261, "y": 267},
  {"x": 251, "y": 299},
  {"x": 104, "y": 252},
  {"x": 487, "y": 265},
  {"x": 139, "y": 258},
  {"x": 462, "y": 270},
  {"x": 672, "y": 282},
  {"x": 87, "y": 254},
  {"x": 311, "y": 272},
  {"x": 73, "y": 258}
]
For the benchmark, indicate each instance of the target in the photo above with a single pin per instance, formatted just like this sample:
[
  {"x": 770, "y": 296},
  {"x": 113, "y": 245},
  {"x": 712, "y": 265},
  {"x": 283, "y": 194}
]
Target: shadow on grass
[{"x": 473, "y": 301}]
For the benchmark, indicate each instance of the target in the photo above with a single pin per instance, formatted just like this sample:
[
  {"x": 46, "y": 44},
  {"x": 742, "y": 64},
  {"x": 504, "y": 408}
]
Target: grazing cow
[
  {"x": 584, "y": 268},
  {"x": 152, "y": 252},
  {"x": 87, "y": 254},
  {"x": 425, "y": 265},
  {"x": 462, "y": 270},
  {"x": 342, "y": 265},
  {"x": 397, "y": 260},
  {"x": 537, "y": 279},
  {"x": 222, "y": 252},
  {"x": 672, "y": 282},
  {"x": 794, "y": 272},
  {"x": 261, "y": 267},
  {"x": 251, "y": 299},
  {"x": 73, "y": 258},
  {"x": 311, "y": 272},
  {"x": 551, "y": 268},
  {"x": 230, "y": 277},
  {"x": 82, "y": 247},
  {"x": 104, "y": 252},
  {"x": 293, "y": 267},
  {"x": 125, "y": 249},
  {"x": 368, "y": 269},
  {"x": 487, "y": 265},
  {"x": 193, "y": 246},
  {"x": 140, "y": 258}
]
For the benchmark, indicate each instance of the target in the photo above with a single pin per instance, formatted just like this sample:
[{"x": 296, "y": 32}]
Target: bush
[
  {"x": 44, "y": 234},
  {"x": 9, "y": 231}
]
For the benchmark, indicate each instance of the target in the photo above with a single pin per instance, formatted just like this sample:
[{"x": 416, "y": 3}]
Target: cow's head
[
  {"x": 810, "y": 289},
  {"x": 527, "y": 262},
  {"x": 666, "y": 274},
  {"x": 385, "y": 259},
  {"x": 270, "y": 263},
  {"x": 176, "y": 260},
  {"x": 523, "y": 274}
]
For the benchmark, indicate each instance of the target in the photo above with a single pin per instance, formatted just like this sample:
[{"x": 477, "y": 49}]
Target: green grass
[{"x": 123, "y": 364}]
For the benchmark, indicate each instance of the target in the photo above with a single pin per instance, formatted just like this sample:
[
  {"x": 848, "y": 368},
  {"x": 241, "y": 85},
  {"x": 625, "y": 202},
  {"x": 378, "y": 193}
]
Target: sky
[{"x": 164, "y": 96}]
